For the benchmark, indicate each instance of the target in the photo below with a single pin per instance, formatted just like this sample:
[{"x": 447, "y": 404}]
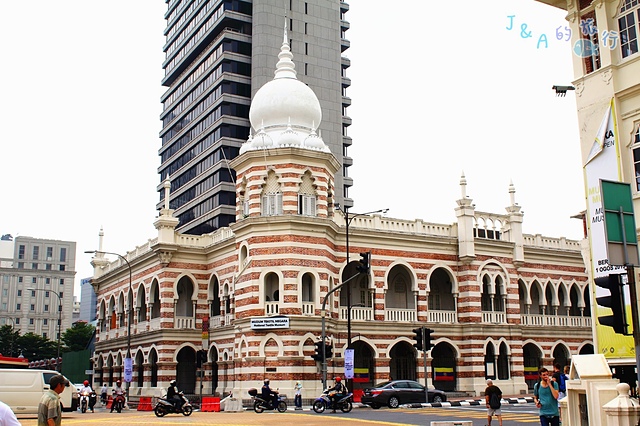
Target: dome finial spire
[{"x": 285, "y": 68}]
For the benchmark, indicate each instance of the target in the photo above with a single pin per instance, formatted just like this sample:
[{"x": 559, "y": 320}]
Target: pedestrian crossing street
[{"x": 456, "y": 413}]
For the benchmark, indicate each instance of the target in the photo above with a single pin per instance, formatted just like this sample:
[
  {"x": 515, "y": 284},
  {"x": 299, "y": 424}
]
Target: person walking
[
  {"x": 493, "y": 397},
  {"x": 7, "y": 416},
  {"x": 298, "y": 395},
  {"x": 49, "y": 412},
  {"x": 545, "y": 395}
]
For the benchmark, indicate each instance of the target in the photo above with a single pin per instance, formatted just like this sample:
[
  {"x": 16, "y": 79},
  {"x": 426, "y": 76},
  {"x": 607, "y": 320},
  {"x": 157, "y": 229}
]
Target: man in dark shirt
[
  {"x": 173, "y": 395},
  {"x": 269, "y": 394},
  {"x": 493, "y": 395}
]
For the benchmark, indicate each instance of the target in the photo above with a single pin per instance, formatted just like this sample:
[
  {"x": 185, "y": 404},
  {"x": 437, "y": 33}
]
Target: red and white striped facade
[
  {"x": 498, "y": 300},
  {"x": 500, "y": 303}
]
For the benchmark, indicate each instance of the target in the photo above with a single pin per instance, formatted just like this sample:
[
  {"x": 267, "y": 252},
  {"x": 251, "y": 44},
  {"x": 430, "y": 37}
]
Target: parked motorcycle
[
  {"x": 118, "y": 402},
  {"x": 344, "y": 404},
  {"x": 87, "y": 400},
  {"x": 260, "y": 404},
  {"x": 165, "y": 406}
]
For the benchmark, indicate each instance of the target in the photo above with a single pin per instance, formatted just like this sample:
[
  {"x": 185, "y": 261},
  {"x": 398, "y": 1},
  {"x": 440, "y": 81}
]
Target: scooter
[
  {"x": 164, "y": 407},
  {"x": 260, "y": 404},
  {"x": 344, "y": 404},
  {"x": 87, "y": 400},
  {"x": 118, "y": 402}
]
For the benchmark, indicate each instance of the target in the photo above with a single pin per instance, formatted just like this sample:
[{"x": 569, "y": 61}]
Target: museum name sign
[{"x": 269, "y": 323}]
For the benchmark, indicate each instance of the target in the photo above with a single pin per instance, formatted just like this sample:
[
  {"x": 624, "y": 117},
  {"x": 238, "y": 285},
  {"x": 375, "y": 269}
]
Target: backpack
[
  {"x": 562, "y": 386},
  {"x": 495, "y": 401}
]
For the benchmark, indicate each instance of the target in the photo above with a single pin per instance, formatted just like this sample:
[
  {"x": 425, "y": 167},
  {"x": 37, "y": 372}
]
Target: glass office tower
[{"x": 218, "y": 53}]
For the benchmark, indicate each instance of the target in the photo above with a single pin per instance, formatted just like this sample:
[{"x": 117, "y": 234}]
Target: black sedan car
[{"x": 399, "y": 392}]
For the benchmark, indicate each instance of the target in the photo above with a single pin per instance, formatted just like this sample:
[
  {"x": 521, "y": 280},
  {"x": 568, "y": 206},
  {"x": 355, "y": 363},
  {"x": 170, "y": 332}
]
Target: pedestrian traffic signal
[
  {"x": 317, "y": 355},
  {"x": 365, "y": 260},
  {"x": 427, "y": 339},
  {"x": 615, "y": 302},
  {"x": 419, "y": 344}
]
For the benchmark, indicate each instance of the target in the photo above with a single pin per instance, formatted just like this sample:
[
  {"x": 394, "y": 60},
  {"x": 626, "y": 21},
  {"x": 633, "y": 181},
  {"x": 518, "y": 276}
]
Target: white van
[{"x": 22, "y": 389}]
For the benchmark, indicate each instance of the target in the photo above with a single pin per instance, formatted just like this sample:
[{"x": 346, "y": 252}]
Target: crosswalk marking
[{"x": 475, "y": 414}]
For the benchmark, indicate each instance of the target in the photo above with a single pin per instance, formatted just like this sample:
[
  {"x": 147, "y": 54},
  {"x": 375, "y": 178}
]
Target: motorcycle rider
[
  {"x": 173, "y": 396},
  {"x": 117, "y": 390},
  {"x": 269, "y": 395},
  {"x": 87, "y": 389},
  {"x": 337, "y": 392}
]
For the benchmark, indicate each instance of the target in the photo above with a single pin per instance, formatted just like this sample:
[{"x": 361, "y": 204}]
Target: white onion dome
[
  {"x": 285, "y": 109},
  {"x": 314, "y": 141},
  {"x": 289, "y": 137}
]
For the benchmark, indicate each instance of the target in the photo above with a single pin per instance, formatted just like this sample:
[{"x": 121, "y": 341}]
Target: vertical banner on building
[
  {"x": 603, "y": 162},
  {"x": 128, "y": 370},
  {"x": 348, "y": 363}
]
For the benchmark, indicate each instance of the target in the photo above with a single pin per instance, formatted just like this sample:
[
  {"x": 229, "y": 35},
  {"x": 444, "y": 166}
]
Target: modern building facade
[
  {"x": 607, "y": 88},
  {"x": 87, "y": 301},
  {"x": 501, "y": 303},
  {"x": 36, "y": 278},
  {"x": 218, "y": 53}
]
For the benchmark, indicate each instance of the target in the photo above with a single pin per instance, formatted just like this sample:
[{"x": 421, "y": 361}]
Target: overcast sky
[{"x": 437, "y": 89}]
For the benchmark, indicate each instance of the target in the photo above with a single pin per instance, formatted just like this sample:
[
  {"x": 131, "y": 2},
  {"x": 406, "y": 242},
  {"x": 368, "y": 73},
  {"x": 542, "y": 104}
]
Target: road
[{"x": 512, "y": 416}]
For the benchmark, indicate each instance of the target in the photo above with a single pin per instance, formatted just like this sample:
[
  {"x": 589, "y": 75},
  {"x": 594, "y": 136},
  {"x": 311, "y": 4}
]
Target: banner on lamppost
[
  {"x": 348, "y": 363},
  {"x": 128, "y": 370},
  {"x": 205, "y": 333}
]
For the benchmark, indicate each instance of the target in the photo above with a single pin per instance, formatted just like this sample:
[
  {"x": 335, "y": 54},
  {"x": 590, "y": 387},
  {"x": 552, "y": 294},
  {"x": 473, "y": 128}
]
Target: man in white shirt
[{"x": 7, "y": 418}]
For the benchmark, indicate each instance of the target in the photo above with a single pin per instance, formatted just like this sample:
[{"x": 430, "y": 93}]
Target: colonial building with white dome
[{"x": 501, "y": 303}]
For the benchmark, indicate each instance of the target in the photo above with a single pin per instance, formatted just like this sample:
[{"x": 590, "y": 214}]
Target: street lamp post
[
  {"x": 128, "y": 362},
  {"x": 59, "y": 320},
  {"x": 348, "y": 220}
]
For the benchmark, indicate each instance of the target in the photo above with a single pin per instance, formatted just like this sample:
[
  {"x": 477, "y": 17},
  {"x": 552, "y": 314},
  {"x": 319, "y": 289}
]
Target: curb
[{"x": 469, "y": 402}]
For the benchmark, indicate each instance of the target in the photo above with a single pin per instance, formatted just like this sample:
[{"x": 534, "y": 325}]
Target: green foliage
[
  {"x": 77, "y": 337},
  {"x": 9, "y": 341},
  {"x": 35, "y": 347}
]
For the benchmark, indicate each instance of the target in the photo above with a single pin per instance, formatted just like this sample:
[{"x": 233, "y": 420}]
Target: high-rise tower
[{"x": 218, "y": 53}]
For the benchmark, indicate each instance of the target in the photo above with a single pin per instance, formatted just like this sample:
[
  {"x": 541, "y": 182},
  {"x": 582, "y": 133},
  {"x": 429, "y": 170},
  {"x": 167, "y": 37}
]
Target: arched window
[
  {"x": 271, "y": 196},
  {"x": 307, "y": 196},
  {"x": 307, "y": 287}
]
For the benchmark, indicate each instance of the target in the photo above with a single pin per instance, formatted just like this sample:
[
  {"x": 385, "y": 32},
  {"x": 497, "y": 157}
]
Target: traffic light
[
  {"x": 317, "y": 355},
  {"x": 201, "y": 358},
  {"x": 615, "y": 302},
  {"x": 427, "y": 339},
  {"x": 419, "y": 344},
  {"x": 328, "y": 351},
  {"x": 365, "y": 260}
]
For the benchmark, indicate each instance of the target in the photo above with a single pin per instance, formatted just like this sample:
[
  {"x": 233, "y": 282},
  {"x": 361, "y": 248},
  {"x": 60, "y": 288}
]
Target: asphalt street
[{"x": 513, "y": 415}]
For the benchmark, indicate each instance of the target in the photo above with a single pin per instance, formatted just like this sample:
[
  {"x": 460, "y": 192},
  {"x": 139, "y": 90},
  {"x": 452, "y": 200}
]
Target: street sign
[{"x": 620, "y": 227}]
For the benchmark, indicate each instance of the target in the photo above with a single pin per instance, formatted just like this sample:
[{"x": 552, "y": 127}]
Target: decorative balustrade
[
  {"x": 215, "y": 322},
  {"x": 442, "y": 317},
  {"x": 271, "y": 308},
  {"x": 539, "y": 320},
  {"x": 308, "y": 308},
  {"x": 400, "y": 315},
  {"x": 494, "y": 317},
  {"x": 357, "y": 313},
  {"x": 228, "y": 319},
  {"x": 184, "y": 322}
]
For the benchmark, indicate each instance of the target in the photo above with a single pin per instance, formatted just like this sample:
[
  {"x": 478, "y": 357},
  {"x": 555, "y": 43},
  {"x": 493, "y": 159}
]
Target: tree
[
  {"x": 78, "y": 336},
  {"x": 9, "y": 341},
  {"x": 35, "y": 347}
]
